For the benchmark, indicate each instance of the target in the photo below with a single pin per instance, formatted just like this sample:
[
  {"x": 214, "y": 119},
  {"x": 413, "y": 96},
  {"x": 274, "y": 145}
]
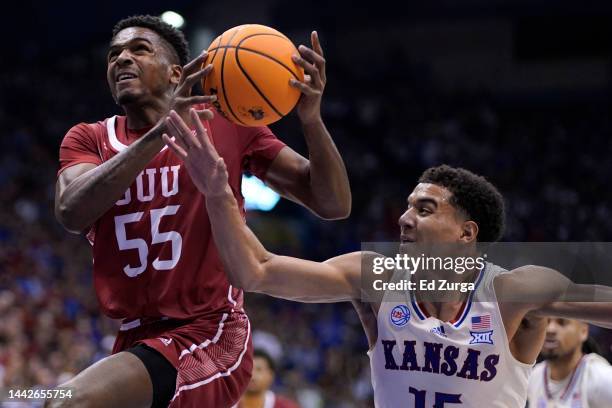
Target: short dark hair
[
  {"x": 173, "y": 36},
  {"x": 263, "y": 354},
  {"x": 591, "y": 346},
  {"x": 473, "y": 194}
]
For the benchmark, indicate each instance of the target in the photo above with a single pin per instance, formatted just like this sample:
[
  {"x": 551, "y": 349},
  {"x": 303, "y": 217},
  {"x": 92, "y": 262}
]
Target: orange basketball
[{"x": 252, "y": 68}]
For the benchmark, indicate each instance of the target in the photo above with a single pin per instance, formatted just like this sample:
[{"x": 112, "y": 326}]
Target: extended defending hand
[{"x": 206, "y": 168}]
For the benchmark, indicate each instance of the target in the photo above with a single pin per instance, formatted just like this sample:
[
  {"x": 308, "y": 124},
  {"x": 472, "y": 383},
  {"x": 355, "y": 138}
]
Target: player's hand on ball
[
  {"x": 206, "y": 168},
  {"x": 182, "y": 100},
  {"x": 313, "y": 63}
]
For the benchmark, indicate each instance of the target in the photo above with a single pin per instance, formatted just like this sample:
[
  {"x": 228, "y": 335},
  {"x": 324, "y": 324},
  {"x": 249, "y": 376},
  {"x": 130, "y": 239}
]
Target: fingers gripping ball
[{"x": 252, "y": 67}]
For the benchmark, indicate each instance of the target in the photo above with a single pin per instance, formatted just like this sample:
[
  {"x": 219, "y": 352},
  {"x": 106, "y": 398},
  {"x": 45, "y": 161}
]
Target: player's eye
[
  {"x": 112, "y": 56},
  {"x": 424, "y": 211},
  {"x": 141, "y": 48}
]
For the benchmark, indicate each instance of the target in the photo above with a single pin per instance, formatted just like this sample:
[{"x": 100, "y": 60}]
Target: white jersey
[
  {"x": 420, "y": 361},
  {"x": 589, "y": 386}
]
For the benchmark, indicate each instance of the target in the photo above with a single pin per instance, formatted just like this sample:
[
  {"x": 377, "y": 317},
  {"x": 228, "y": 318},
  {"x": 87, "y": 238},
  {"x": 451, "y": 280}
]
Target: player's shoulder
[
  {"x": 539, "y": 368},
  {"x": 536, "y": 378},
  {"x": 88, "y": 129},
  {"x": 530, "y": 278},
  {"x": 598, "y": 362},
  {"x": 518, "y": 274},
  {"x": 599, "y": 377}
]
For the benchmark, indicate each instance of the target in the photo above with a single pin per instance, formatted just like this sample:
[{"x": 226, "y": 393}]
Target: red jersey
[
  {"x": 154, "y": 254},
  {"x": 282, "y": 402}
]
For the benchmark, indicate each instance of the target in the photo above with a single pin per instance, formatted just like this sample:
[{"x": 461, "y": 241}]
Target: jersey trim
[
  {"x": 219, "y": 374},
  {"x": 469, "y": 302},
  {"x": 570, "y": 385},
  {"x": 416, "y": 308},
  {"x": 230, "y": 298},
  {"x": 207, "y": 342},
  {"x": 422, "y": 314},
  {"x": 112, "y": 136}
]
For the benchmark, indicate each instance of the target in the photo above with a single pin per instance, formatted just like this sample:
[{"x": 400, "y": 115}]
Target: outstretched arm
[
  {"x": 545, "y": 292},
  {"x": 247, "y": 263},
  {"x": 319, "y": 182},
  {"x": 595, "y": 313}
]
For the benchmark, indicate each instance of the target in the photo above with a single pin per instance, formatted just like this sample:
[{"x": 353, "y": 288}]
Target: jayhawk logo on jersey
[{"x": 400, "y": 315}]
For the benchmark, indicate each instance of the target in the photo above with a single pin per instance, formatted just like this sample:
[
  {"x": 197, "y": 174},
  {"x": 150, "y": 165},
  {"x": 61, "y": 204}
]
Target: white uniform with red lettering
[
  {"x": 589, "y": 386},
  {"x": 419, "y": 361}
]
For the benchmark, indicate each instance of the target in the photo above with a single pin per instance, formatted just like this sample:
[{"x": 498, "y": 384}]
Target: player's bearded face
[
  {"x": 563, "y": 337},
  {"x": 429, "y": 218},
  {"x": 137, "y": 68}
]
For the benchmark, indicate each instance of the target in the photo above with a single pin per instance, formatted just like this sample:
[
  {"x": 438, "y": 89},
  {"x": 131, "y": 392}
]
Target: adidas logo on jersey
[{"x": 439, "y": 331}]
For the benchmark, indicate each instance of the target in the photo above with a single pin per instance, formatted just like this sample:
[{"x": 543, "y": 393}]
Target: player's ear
[
  {"x": 584, "y": 332},
  {"x": 175, "y": 74},
  {"x": 469, "y": 231}
]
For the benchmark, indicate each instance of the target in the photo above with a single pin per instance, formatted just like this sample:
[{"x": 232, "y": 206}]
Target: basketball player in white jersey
[
  {"x": 569, "y": 376},
  {"x": 459, "y": 353}
]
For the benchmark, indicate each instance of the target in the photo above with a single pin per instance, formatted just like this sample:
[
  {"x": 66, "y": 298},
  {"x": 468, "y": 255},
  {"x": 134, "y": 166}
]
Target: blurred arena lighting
[
  {"x": 258, "y": 196},
  {"x": 173, "y": 18}
]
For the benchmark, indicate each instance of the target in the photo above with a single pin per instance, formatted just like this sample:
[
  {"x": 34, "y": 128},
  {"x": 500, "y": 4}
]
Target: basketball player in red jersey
[{"x": 185, "y": 339}]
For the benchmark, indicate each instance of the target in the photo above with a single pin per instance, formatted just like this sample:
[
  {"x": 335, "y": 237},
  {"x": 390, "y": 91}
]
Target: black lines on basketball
[
  {"x": 215, "y": 50},
  {"x": 239, "y": 45},
  {"x": 262, "y": 54},
  {"x": 227, "y": 102},
  {"x": 254, "y": 85}
]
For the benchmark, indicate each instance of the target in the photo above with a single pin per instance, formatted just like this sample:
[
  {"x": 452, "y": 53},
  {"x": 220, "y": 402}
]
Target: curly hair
[
  {"x": 474, "y": 195},
  {"x": 173, "y": 36}
]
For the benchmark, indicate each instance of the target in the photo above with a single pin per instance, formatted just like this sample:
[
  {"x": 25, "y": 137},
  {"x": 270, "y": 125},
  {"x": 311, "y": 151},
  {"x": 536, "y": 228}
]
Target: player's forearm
[
  {"x": 93, "y": 193},
  {"x": 589, "y": 303},
  {"x": 251, "y": 267},
  {"x": 597, "y": 313},
  {"x": 241, "y": 252},
  {"x": 330, "y": 193}
]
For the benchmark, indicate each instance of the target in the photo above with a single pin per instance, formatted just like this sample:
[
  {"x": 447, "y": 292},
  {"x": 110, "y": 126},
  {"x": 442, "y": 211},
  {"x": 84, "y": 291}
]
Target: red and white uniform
[{"x": 156, "y": 265}]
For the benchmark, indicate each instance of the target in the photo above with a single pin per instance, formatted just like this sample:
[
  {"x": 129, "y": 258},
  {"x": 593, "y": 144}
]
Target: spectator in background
[
  {"x": 258, "y": 393},
  {"x": 571, "y": 375}
]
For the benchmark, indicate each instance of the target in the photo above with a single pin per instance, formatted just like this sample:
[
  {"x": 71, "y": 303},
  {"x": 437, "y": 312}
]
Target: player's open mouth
[
  {"x": 127, "y": 76},
  {"x": 406, "y": 239},
  {"x": 549, "y": 343}
]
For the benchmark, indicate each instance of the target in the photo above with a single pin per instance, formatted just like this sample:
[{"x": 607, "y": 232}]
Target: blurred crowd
[{"x": 551, "y": 162}]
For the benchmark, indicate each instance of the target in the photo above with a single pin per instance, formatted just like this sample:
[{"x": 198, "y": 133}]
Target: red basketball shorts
[{"x": 213, "y": 359}]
